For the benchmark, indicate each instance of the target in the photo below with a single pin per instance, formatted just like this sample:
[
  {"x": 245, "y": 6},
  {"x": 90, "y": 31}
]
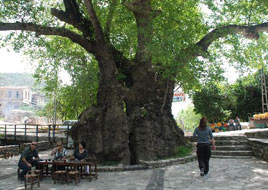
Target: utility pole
[
  {"x": 264, "y": 92},
  {"x": 55, "y": 99},
  {"x": 54, "y": 109}
]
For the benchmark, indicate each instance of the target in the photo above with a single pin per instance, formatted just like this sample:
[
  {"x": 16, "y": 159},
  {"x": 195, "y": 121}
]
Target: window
[
  {"x": 17, "y": 94},
  {"x": 9, "y": 94}
]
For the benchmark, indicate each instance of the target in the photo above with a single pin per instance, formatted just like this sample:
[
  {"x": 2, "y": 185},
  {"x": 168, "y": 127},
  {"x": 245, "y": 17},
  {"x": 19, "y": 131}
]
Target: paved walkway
[{"x": 224, "y": 174}]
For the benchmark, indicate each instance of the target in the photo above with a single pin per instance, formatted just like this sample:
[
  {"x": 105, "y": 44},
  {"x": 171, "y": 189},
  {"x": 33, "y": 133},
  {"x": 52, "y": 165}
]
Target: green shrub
[
  {"x": 183, "y": 151},
  {"x": 110, "y": 163}
]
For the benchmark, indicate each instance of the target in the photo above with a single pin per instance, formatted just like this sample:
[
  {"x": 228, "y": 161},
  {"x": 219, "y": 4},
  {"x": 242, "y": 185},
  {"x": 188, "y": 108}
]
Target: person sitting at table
[
  {"x": 59, "y": 152},
  {"x": 28, "y": 159},
  {"x": 81, "y": 153}
]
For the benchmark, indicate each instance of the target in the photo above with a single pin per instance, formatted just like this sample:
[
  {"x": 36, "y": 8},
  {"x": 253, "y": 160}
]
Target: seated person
[
  {"x": 226, "y": 126},
  {"x": 28, "y": 159},
  {"x": 81, "y": 153},
  {"x": 212, "y": 126},
  {"x": 59, "y": 152},
  {"x": 231, "y": 125},
  {"x": 219, "y": 126}
]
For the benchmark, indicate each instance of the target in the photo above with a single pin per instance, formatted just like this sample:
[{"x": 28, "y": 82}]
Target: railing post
[
  {"x": 49, "y": 128},
  {"x": 36, "y": 133},
  {"x": 25, "y": 134},
  {"x": 54, "y": 126},
  {"x": 5, "y": 133},
  {"x": 15, "y": 131}
]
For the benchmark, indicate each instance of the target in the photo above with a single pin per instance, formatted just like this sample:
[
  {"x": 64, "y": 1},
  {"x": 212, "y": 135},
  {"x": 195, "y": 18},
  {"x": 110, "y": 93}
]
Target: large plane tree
[{"x": 143, "y": 48}]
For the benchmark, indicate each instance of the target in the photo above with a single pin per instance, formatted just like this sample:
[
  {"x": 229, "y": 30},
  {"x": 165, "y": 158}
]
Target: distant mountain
[{"x": 18, "y": 79}]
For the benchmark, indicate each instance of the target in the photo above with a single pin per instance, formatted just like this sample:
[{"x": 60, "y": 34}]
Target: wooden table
[
  {"x": 68, "y": 165},
  {"x": 82, "y": 167},
  {"x": 44, "y": 168}
]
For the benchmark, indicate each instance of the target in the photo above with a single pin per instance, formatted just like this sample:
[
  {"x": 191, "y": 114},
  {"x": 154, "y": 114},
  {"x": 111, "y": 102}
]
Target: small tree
[
  {"x": 189, "y": 118},
  {"x": 210, "y": 101}
]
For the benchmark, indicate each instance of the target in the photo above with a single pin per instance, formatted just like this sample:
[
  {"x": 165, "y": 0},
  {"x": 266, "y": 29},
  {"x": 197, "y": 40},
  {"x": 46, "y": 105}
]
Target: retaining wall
[
  {"x": 16, "y": 149},
  {"x": 259, "y": 148}
]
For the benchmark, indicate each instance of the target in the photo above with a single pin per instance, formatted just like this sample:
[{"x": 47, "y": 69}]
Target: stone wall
[
  {"x": 16, "y": 149},
  {"x": 258, "y": 134},
  {"x": 259, "y": 148}
]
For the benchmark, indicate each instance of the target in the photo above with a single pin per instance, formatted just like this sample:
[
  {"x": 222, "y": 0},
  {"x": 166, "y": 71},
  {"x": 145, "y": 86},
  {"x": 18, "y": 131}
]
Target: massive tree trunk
[
  {"x": 132, "y": 120},
  {"x": 138, "y": 126}
]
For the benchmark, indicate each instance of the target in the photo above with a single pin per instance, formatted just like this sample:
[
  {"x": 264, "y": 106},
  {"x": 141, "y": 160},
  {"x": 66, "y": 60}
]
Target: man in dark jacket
[{"x": 28, "y": 159}]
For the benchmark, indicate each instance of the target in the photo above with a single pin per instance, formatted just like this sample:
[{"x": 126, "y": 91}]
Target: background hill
[{"x": 18, "y": 79}]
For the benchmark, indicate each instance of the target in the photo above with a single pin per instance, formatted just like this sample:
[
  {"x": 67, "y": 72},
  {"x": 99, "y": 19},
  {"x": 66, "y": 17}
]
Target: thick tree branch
[
  {"x": 80, "y": 23},
  {"x": 251, "y": 32},
  {"x": 45, "y": 30},
  {"x": 144, "y": 14},
  {"x": 110, "y": 18},
  {"x": 95, "y": 22},
  {"x": 72, "y": 7},
  {"x": 201, "y": 47}
]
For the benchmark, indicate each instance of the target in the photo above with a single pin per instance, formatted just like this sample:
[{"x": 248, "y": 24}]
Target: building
[
  {"x": 13, "y": 97},
  {"x": 38, "y": 100}
]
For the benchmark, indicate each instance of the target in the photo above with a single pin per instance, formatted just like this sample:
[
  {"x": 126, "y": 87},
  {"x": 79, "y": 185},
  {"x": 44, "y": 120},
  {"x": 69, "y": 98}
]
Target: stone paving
[{"x": 225, "y": 174}]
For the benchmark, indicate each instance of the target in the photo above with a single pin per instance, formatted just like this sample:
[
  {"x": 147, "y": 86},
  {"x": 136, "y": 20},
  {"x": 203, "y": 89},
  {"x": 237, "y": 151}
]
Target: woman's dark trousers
[{"x": 203, "y": 155}]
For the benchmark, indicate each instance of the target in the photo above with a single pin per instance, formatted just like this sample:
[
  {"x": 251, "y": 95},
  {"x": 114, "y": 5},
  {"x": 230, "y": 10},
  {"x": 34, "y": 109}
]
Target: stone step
[
  {"x": 234, "y": 147},
  {"x": 240, "y": 138},
  {"x": 230, "y": 142},
  {"x": 231, "y": 157},
  {"x": 232, "y": 153}
]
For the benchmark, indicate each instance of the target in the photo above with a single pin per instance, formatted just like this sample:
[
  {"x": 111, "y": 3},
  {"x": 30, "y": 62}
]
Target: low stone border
[
  {"x": 16, "y": 149},
  {"x": 259, "y": 148},
  {"x": 148, "y": 164}
]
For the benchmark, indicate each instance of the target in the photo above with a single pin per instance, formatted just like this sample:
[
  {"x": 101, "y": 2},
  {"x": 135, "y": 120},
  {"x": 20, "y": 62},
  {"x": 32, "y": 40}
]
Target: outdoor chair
[
  {"x": 73, "y": 174},
  {"x": 59, "y": 174},
  {"x": 31, "y": 178}
]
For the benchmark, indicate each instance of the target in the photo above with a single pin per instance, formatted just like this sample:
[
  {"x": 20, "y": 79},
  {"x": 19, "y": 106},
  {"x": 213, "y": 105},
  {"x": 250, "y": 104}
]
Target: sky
[{"x": 12, "y": 62}]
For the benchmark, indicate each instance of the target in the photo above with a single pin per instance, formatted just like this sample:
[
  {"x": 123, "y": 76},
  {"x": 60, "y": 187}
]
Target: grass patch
[
  {"x": 110, "y": 163},
  {"x": 181, "y": 151}
]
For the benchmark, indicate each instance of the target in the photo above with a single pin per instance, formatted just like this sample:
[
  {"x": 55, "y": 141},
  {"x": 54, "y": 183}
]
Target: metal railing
[{"x": 24, "y": 131}]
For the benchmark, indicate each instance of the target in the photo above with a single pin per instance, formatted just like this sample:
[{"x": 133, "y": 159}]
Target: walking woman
[{"x": 204, "y": 137}]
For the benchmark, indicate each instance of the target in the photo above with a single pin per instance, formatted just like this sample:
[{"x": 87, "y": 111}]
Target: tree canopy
[{"x": 181, "y": 32}]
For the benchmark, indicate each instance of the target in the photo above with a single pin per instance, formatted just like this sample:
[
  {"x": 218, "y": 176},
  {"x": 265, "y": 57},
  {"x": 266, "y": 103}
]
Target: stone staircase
[{"x": 236, "y": 147}]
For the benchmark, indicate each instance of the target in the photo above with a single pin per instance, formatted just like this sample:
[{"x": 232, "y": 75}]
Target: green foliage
[
  {"x": 110, "y": 163},
  {"x": 210, "y": 101},
  {"x": 177, "y": 27},
  {"x": 187, "y": 119},
  {"x": 236, "y": 50},
  {"x": 219, "y": 102},
  {"x": 248, "y": 96},
  {"x": 181, "y": 151}
]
